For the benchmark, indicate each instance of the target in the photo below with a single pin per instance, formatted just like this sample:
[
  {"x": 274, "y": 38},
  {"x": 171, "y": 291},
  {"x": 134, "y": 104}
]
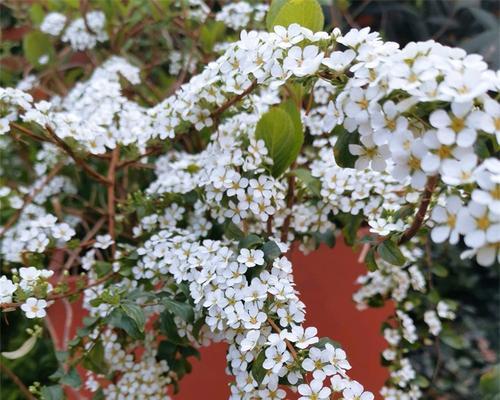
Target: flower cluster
[{"x": 83, "y": 33}]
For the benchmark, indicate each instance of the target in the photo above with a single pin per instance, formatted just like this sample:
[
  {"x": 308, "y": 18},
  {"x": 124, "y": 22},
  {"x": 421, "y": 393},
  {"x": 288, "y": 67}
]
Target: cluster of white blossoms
[
  {"x": 139, "y": 377},
  {"x": 29, "y": 284},
  {"x": 411, "y": 115},
  {"x": 82, "y": 33},
  {"x": 239, "y": 15},
  {"x": 250, "y": 302},
  {"x": 399, "y": 284}
]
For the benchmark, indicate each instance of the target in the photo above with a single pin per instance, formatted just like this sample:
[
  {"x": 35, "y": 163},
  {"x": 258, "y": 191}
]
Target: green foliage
[
  {"x": 53, "y": 392},
  {"x": 36, "y": 45},
  {"x": 390, "y": 252},
  {"x": 306, "y": 13},
  {"x": 181, "y": 309},
  {"x": 210, "y": 33},
  {"x": 490, "y": 384},
  {"x": 343, "y": 156},
  {"x": 283, "y": 137},
  {"x": 94, "y": 358},
  {"x": 312, "y": 184},
  {"x": 258, "y": 371}
]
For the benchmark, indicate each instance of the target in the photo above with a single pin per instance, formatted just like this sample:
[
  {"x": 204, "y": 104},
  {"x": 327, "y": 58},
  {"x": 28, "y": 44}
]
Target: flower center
[
  {"x": 483, "y": 222},
  {"x": 457, "y": 124}
]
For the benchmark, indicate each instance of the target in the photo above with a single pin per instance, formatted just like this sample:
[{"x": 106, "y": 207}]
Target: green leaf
[
  {"x": 350, "y": 228},
  {"x": 136, "y": 313},
  {"x": 271, "y": 251},
  {"x": 102, "y": 268},
  {"x": 306, "y": 13},
  {"x": 327, "y": 237},
  {"x": 258, "y": 371},
  {"x": 210, "y": 33},
  {"x": 370, "y": 261},
  {"x": 35, "y": 45},
  {"x": 324, "y": 340},
  {"x": 250, "y": 241},
  {"x": 119, "y": 319},
  {"x": 389, "y": 251},
  {"x": 94, "y": 359},
  {"x": 489, "y": 383},
  {"x": 293, "y": 112},
  {"x": 232, "y": 231},
  {"x": 183, "y": 310},
  {"x": 439, "y": 270},
  {"x": 453, "y": 340},
  {"x": 53, "y": 392},
  {"x": 168, "y": 326},
  {"x": 282, "y": 139},
  {"x": 311, "y": 183},
  {"x": 343, "y": 156},
  {"x": 72, "y": 378},
  {"x": 36, "y": 13}
]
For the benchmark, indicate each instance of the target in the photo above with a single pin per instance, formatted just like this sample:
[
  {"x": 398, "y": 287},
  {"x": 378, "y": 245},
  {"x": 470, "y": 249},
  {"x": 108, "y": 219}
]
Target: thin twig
[
  {"x": 90, "y": 234},
  {"x": 64, "y": 146},
  {"x": 111, "y": 196},
  {"x": 277, "y": 329},
  {"x": 68, "y": 294},
  {"x": 233, "y": 100},
  {"x": 22, "y": 387},
  {"x": 422, "y": 209}
]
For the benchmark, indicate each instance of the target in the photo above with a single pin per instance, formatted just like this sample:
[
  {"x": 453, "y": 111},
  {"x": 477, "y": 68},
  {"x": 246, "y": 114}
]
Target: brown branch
[
  {"x": 422, "y": 209},
  {"x": 65, "y": 295},
  {"x": 150, "y": 152},
  {"x": 277, "y": 329},
  {"x": 27, "y": 132},
  {"x": 64, "y": 146},
  {"x": 233, "y": 100},
  {"x": 87, "y": 237},
  {"x": 22, "y": 387},
  {"x": 111, "y": 196},
  {"x": 29, "y": 197}
]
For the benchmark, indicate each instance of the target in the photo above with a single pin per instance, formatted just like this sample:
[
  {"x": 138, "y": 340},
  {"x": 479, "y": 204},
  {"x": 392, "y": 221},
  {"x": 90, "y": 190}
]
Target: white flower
[
  {"x": 314, "y": 391},
  {"x": 53, "y": 23},
  {"x": 103, "y": 241},
  {"x": 63, "y": 231},
  {"x": 34, "y": 308},
  {"x": 250, "y": 340},
  {"x": 369, "y": 154},
  {"x": 457, "y": 127},
  {"x": 303, "y": 62},
  {"x": 30, "y": 274},
  {"x": 355, "y": 391},
  {"x": 276, "y": 357},
  {"x": 432, "y": 320},
  {"x": 445, "y": 311},
  {"x": 446, "y": 218},
  {"x": 336, "y": 360},
  {"x": 303, "y": 338},
  {"x": 251, "y": 258},
  {"x": 459, "y": 172},
  {"x": 287, "y": 37},
  {"x": 478, "y": 225},
  {"x": 339, "y": 60},
  {"x": 7, "y": 288}
]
